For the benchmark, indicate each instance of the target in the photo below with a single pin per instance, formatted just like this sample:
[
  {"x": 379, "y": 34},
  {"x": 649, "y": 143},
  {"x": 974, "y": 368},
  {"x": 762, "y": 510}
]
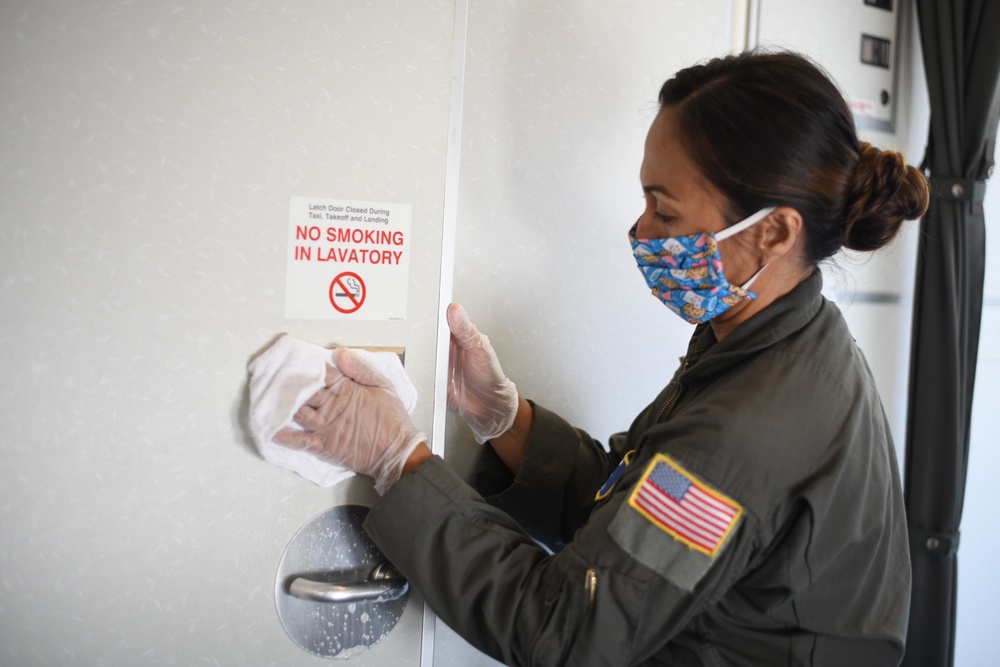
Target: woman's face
[{"x": 681, "y": 201}]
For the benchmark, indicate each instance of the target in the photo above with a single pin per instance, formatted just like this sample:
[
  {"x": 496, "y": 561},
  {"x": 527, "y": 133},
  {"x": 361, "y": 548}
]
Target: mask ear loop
[
  {"x": 739, "y": 227},
  {"x": 746, "y": 223},
  {"x": 747, "y": 284}
]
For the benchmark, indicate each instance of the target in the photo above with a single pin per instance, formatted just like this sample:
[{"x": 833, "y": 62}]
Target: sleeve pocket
[{"x": 589, "y": 614}]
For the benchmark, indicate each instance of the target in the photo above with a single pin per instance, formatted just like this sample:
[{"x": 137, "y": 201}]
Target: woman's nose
[{"x": 644, "y": 227}]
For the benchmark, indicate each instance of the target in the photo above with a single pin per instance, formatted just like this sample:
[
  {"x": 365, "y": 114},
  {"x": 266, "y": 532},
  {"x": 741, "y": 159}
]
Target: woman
[{"x": 752, "y": 514}]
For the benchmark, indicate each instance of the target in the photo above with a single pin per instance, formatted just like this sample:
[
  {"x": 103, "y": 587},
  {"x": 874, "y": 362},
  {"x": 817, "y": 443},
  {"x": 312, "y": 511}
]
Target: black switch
[{"x": 875, "y": 51}]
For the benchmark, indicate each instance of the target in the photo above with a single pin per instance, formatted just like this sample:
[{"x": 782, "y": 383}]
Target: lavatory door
[{"x": 154, "y": 157}]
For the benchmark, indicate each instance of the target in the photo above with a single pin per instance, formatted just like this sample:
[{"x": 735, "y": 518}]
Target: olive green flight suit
[{"x": 778, "y": 428}]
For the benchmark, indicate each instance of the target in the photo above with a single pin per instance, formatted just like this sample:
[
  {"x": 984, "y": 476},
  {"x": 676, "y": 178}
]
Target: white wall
[{"x": 557, "y": 104}]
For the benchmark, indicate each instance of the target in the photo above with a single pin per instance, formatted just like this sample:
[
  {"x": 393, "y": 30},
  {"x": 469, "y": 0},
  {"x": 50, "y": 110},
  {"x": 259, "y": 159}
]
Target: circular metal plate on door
[{"x": 336, "y": 594}]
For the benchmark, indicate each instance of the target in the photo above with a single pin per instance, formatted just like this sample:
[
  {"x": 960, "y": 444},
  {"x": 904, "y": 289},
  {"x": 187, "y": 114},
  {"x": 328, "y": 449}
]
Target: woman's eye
[{"x": 651, "y": 206}]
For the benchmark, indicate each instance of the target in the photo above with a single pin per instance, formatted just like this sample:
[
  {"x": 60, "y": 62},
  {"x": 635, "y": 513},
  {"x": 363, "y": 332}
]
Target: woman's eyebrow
[{"x": 650, "y": 189}]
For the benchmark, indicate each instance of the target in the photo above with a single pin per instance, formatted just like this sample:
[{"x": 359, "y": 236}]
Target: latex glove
[
  {"x": 477, "y": 387},
  {"x": 356, "y": 422}
]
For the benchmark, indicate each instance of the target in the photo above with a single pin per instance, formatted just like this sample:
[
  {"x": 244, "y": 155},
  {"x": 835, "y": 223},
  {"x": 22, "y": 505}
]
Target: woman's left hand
[{"x": 356, "y": 422}]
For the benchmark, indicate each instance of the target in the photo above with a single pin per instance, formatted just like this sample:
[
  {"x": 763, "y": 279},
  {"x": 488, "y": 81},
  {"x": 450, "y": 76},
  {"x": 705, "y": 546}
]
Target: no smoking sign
[
  {"x": 347, "y": 292},
  {"x": 347, "y": 259}
]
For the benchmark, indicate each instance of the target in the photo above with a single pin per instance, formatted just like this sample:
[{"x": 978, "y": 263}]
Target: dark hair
[{"x": 771, "y": 129}]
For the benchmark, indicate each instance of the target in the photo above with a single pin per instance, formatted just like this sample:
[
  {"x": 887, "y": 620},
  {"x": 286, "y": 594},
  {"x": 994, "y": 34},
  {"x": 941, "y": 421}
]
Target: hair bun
[{"x": 886, "y": 192}]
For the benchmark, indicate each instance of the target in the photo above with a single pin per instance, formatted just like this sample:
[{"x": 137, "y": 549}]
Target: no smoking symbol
[{"x": 347, "y": 292}]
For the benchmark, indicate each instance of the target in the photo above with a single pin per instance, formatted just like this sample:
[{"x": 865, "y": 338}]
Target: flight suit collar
[{"x": 706, "y": 357}]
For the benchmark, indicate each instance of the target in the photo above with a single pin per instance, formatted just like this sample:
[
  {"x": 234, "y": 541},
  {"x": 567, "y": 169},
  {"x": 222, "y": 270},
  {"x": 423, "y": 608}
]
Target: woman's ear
[{"x": 781, "y": 232}]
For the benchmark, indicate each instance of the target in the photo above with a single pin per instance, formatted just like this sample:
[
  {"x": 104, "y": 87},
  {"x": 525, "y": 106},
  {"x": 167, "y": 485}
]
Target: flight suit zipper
[
  {"x": 590, "y": 584},
  {"x": 673, "y": 394}
]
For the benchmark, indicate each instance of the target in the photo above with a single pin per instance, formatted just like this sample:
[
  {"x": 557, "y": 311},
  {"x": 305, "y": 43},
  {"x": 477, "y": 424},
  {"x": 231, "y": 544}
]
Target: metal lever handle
[{"x": 383, "y": 584}]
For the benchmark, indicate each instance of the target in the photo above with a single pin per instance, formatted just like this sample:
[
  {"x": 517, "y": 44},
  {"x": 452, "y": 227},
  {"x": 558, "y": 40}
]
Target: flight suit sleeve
[
  {"x": 593, "y": 603},
  {"x": 553, "y": 493}
]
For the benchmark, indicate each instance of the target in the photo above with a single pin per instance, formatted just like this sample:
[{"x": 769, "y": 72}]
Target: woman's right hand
[{"x": 477, "y": 387}]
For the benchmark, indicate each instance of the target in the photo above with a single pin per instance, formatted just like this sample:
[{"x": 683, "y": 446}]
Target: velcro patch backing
[{"x": 674, "y": 523}]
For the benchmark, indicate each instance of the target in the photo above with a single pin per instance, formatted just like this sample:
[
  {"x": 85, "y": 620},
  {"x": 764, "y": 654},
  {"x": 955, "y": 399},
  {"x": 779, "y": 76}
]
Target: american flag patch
[{"x": 689, "y": 510}]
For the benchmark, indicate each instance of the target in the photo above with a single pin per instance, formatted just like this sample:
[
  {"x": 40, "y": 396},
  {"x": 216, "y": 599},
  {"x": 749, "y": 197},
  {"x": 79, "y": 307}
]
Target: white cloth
[{"x": 283, "y": 377}]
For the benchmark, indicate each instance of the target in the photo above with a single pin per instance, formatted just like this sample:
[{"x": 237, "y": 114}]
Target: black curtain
[{"x": 961, "y": 47}]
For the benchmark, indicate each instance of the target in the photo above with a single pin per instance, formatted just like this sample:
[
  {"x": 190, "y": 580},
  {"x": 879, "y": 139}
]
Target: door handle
[
  {"x": 384, "y": 583},
  {"x": 336, "y": 592}
]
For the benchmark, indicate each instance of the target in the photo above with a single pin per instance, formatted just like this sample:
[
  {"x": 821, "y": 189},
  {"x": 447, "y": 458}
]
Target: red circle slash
[{"x": 347, "y": 292}]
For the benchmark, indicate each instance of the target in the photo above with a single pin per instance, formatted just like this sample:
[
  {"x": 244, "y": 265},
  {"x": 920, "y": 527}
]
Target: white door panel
[{"x": 150, "y": 151}]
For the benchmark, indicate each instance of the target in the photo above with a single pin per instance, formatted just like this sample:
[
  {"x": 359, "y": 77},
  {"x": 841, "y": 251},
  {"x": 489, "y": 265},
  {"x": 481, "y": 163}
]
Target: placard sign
[{"x": 347, "y": 260}]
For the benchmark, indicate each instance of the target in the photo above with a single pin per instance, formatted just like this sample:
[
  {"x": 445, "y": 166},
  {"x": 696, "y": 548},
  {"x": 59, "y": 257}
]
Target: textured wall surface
[{"x": 149, "y": 152}]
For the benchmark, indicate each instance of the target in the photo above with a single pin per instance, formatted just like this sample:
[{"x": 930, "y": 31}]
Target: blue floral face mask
[{"x": 685, "y": 272}]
